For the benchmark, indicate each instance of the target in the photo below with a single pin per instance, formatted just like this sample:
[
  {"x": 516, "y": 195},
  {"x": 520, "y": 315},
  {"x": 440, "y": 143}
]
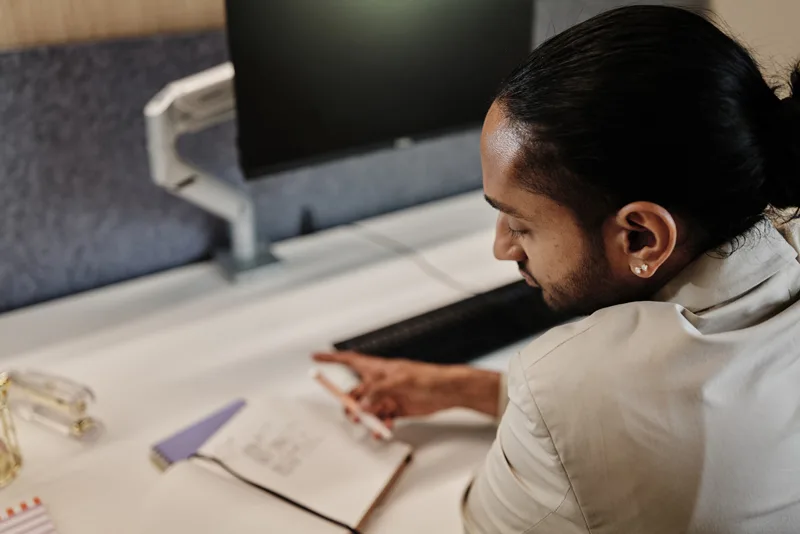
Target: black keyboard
[{"x": 462, "y": 331}]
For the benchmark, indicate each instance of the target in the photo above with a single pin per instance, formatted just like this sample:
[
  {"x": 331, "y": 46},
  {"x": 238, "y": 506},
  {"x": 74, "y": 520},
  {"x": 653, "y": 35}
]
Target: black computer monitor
[{"x": 317, "y": 79}]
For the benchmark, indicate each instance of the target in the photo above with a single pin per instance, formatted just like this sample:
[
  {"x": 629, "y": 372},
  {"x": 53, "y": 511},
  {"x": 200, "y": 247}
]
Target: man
[{"x": 638, "y": 162}]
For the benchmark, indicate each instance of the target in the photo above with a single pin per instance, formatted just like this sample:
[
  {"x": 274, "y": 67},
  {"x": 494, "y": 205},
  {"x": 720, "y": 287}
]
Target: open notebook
[{"x": 304, "y": 450}]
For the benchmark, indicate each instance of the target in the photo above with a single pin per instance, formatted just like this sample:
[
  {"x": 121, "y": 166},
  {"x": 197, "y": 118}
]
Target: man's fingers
[
  {"x": 373, "y": 395},
  {"x": 351, "y": 416},
  {"x": 385, "y": 410},
  {"x": 345, "y": 358},
  {"x": 358, "y": 392},
  {"x": 392, "y": 409},
  {"x": 383, "y": 407},
  {"x": 364, "y": 366}
]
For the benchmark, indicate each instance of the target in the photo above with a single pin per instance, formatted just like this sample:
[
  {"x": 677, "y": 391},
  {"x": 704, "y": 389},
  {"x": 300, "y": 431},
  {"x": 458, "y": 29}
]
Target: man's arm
[
  {"x": 392, "y": 388},
  {"x": 522, "y": 486},
  {"x": 477, "y": 389}
]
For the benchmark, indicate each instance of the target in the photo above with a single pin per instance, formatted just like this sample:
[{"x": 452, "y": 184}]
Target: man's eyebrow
[{"x": 505, "y": 208}]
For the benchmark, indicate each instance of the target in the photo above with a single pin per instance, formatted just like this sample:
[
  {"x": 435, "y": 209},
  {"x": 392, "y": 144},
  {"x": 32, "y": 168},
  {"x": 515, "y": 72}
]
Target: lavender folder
[{"x": 183, "y": 444}]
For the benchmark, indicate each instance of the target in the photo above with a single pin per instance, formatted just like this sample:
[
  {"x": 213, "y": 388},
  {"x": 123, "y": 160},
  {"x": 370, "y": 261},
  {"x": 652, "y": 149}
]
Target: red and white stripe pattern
[{"x": 27, "y": 518}]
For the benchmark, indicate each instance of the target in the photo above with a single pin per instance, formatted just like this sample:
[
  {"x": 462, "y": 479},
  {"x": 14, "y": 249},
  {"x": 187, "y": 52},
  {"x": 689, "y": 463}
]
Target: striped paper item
[{"x": 28, "y": 518}]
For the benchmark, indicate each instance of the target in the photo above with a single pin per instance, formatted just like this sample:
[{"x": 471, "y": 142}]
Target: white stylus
[{"x": 367, "y": 419}]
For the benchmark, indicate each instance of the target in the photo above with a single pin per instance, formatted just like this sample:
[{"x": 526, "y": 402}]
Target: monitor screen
[{"x": 318, "y": 79}]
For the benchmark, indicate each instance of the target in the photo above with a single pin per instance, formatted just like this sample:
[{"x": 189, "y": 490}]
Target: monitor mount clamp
[{"x": 189, "y": 105}]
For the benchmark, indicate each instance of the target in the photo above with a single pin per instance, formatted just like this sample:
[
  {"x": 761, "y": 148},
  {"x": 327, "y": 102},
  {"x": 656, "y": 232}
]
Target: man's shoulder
[
  {"x": 583, "y": 355},
  {"x": 597, "y": 333}
]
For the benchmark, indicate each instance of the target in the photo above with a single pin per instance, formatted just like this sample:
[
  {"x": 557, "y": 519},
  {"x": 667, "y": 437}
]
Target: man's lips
[{"x": 528, "y": 278}]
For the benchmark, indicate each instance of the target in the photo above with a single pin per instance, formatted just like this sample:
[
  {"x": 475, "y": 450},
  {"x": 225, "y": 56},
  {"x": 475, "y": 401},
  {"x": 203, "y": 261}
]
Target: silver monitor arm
[{"x": 190, "y": 105}]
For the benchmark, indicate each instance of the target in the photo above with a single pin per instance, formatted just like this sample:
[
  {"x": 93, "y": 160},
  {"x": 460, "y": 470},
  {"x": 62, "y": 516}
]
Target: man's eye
[{"x": 516, "y": 233}]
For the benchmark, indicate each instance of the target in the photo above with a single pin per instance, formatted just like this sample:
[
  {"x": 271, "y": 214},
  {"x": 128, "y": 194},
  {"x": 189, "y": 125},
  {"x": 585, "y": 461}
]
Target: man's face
[{"x": 543, "y": 237}]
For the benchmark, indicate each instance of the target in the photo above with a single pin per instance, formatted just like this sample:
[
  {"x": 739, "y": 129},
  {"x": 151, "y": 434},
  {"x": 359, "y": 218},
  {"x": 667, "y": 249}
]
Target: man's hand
[{"x": 392, "y": 388}]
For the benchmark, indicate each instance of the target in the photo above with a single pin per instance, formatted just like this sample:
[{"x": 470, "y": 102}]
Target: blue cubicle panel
[{"x": 77, "y": 207}]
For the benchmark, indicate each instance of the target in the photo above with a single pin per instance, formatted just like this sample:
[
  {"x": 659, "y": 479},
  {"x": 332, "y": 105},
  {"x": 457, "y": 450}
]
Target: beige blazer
[{"x": 672, "y": 416}]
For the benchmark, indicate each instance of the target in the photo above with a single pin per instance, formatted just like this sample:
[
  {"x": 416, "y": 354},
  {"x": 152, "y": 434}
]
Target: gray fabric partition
[{"x": 77, "y": 208}]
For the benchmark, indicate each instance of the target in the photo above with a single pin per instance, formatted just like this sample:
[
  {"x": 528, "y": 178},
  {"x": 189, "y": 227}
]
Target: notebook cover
[{"x": 183, "y": 444}]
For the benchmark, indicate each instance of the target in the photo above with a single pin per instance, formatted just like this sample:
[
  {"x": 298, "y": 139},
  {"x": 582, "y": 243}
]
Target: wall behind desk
[{"x": 26, "y": 23}]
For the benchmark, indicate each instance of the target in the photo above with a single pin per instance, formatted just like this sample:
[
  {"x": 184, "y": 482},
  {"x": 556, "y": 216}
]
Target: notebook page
[
  {"x": 194, "y": 498},
  {"x": 310, "y": 453}
]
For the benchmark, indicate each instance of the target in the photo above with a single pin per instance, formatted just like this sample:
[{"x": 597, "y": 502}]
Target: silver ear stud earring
[{"x": 643, "y": 269}]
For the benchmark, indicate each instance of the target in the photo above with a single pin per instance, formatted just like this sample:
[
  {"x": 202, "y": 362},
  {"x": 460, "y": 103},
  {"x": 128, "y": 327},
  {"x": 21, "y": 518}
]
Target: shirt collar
[{"x": 713, "y": 279}]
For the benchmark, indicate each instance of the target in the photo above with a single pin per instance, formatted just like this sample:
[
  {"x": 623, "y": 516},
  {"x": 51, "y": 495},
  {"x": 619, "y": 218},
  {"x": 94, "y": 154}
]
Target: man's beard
[{"x": 587, "y": 289}]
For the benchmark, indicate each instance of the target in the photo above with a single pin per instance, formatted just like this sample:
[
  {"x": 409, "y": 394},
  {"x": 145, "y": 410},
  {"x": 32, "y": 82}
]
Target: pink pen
[{"x": 367, "y": 419}]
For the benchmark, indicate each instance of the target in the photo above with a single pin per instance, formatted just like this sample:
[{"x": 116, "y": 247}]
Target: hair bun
[
  {"x": 782, "y": 187},
  {"x": 794, "y": 82},
  {"x": 792, "y": 102}
]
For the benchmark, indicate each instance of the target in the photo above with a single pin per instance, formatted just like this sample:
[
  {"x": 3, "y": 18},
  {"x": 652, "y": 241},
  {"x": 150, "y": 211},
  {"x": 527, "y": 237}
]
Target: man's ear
[{"x": 646, "y": 238}]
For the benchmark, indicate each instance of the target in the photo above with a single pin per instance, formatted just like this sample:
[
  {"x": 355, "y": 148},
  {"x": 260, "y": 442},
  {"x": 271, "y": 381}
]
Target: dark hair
[{"x": 656, "y": 103}]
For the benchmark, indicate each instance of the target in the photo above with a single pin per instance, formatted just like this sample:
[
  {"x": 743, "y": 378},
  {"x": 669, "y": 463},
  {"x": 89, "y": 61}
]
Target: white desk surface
[{"x": 165, "y": 350}]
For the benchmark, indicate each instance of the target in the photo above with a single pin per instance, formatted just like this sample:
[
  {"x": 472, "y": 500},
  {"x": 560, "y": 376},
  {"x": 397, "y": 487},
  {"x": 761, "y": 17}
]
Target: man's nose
[{"x": 505, "y": 248}]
